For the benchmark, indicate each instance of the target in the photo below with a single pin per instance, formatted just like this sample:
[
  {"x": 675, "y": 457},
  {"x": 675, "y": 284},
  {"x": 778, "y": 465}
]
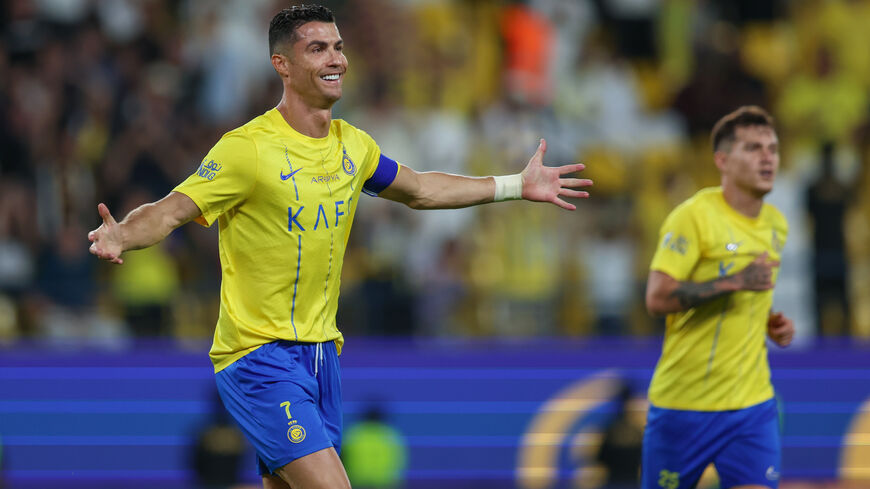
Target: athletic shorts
[
  {"x": 286, "y": 397},
  {"x": 743, "y": 444}
]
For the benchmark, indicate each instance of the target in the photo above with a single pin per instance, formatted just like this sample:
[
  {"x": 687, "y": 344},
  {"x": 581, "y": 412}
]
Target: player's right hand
[
  {"x": 758, "y": 275},
  {"x": 106, "y": 239}
]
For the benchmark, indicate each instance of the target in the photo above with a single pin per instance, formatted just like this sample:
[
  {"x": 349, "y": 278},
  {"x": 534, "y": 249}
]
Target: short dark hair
[
  {"x": 284, "y": 24},
  {"x": 725, "y": 131}
]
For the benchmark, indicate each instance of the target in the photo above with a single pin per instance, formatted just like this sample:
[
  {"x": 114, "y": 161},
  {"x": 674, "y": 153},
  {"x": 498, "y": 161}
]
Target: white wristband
[{"x": 508, "y": 187}]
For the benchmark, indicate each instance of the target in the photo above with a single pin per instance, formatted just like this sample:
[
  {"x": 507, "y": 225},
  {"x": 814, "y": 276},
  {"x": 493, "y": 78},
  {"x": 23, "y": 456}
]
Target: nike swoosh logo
[{"x": 285, "y": 177}]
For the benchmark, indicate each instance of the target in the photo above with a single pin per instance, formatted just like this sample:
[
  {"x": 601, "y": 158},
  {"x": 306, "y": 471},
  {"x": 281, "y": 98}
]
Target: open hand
[
  {"x": 106, "y": 239},
  {"x": 545, "y": 184}
]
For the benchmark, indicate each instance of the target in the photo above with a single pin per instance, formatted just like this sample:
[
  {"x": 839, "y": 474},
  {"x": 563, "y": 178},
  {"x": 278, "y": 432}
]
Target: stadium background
[{"x": 469, "y": 328}]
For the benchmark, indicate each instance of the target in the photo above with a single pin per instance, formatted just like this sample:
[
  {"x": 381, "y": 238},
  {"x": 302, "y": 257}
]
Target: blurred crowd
[{"x": 117, "y": 101}]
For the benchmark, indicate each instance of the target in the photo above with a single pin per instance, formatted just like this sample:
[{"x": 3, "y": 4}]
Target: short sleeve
[
  {"x": 378, "y": 170},
  {"x": 679, "y": 247},
  {"x": 224, "y": 179}
]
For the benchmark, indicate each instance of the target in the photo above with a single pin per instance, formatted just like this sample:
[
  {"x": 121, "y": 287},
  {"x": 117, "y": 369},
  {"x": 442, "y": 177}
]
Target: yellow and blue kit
[
  {"x": 714, "y": 356},
  {"x": 711, "y": 396},
  {"x": 284, "y": 203}
]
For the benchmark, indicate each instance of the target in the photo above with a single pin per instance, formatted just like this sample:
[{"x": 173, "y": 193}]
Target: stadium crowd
[{"x": 117, "y": 101}]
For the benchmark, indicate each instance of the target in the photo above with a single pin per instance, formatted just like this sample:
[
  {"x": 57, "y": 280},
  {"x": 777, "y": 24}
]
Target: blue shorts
[
  {"x": 743, "y": 444},
  {"x": 286, "y": 397}
]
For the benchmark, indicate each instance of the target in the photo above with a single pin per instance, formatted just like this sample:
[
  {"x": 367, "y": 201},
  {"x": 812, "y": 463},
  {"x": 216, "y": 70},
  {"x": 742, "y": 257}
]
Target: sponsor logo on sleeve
[
  {"x": 679, "y": 244},
  {"x": 209, "y": 169}
]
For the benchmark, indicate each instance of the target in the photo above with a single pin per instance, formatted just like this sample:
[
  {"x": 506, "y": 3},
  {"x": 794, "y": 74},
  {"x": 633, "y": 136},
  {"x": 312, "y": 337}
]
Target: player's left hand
[
  {"x": 545, "y": 184},
  {"x": 780, "y": 329}
]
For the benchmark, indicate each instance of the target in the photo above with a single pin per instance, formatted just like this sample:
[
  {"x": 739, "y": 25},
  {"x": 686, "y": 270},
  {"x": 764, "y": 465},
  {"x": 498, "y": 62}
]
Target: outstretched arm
[
  {"x": 146, "y": 225},
  {"x": 665, "y": 294},
  {"x": 538, "y": 183}
]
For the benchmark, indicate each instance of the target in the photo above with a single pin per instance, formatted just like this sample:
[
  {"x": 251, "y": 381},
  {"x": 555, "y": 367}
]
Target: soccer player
[
  {"x": 711, "y": 400},
  {"x": 284, "y": 189}
]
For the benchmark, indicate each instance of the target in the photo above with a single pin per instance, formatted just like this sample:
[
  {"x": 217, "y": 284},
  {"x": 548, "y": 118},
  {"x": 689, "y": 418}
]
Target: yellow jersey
[
  {"x": 284, "y": 203},
  {"x": 714, "y": 356}
]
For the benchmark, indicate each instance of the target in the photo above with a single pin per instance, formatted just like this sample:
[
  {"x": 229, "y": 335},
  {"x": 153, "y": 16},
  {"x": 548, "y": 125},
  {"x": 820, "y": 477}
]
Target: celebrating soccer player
[{"x": 283, "y": 189}]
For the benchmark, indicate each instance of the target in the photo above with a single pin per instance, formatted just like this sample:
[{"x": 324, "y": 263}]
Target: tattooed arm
[{"x": 665, "y": 294}]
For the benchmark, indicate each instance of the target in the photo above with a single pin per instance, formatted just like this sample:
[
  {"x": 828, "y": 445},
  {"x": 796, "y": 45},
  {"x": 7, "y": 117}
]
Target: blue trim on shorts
[
  {"x": 283, "y": 407},
  {"x": 743, "y": 444},
  {"x": 384, "y": 175}
]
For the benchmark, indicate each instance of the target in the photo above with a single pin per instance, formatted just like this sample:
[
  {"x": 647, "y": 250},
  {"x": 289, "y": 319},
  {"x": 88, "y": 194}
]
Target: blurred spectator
[
  {"x": 66, "y": 278},
  {"x": 147, "y": 284},
  {"x": 529, "y": 42},
  {"x": 632, "y": 23},
  {"x": 101, "y": 96},
  {"x": 374, "y": 453},
  {"x": 9, "y": 328},
  {"x": 620, "y": 450},
  {"x": 609, "y": 254},
  {"x": 822, "y": 103},
  {"x": 17, "y": 238},
  {"x": 379, "y": 300},
  {"x": 827, "y": 201},
  {"x": 858, "y": 234},
  {"x": 218, "y": 451},
  {"x": 437, "y": 310},
  {"x": 745, "y": 11},
  {"x": 602, "y": 94},
  {"x": 572, "y": 21},
  {"x": 718, "y": 85}
]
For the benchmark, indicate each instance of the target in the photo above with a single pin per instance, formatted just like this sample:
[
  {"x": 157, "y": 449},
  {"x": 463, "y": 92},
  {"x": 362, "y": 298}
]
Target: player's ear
[
  {"x": 719, "y": 158},
  {"x": 281, "y": 64}
]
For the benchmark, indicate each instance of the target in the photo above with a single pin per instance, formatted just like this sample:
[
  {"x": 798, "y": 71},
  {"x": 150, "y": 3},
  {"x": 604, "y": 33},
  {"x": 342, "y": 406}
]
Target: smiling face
[
  {"x": 315, "y": 65},
  {"x": 749, "y": 163}
]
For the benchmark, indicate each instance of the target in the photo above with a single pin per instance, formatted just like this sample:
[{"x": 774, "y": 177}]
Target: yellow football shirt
[
  {"x": 714, "y": 356},
  {"x": 284, "y": 203}
]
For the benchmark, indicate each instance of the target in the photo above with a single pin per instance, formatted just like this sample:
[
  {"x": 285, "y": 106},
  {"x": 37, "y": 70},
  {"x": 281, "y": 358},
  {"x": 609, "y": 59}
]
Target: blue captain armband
[{"x": 384, "y": 175}]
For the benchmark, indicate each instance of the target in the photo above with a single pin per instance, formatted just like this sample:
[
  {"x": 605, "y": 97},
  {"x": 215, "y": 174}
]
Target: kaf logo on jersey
[
  {"x": 347, "y": 163},
  {"x": 208, "y": 169}
]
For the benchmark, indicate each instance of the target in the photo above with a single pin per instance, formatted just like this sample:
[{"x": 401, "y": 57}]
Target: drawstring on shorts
[{"x": 318, "y": 357}]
